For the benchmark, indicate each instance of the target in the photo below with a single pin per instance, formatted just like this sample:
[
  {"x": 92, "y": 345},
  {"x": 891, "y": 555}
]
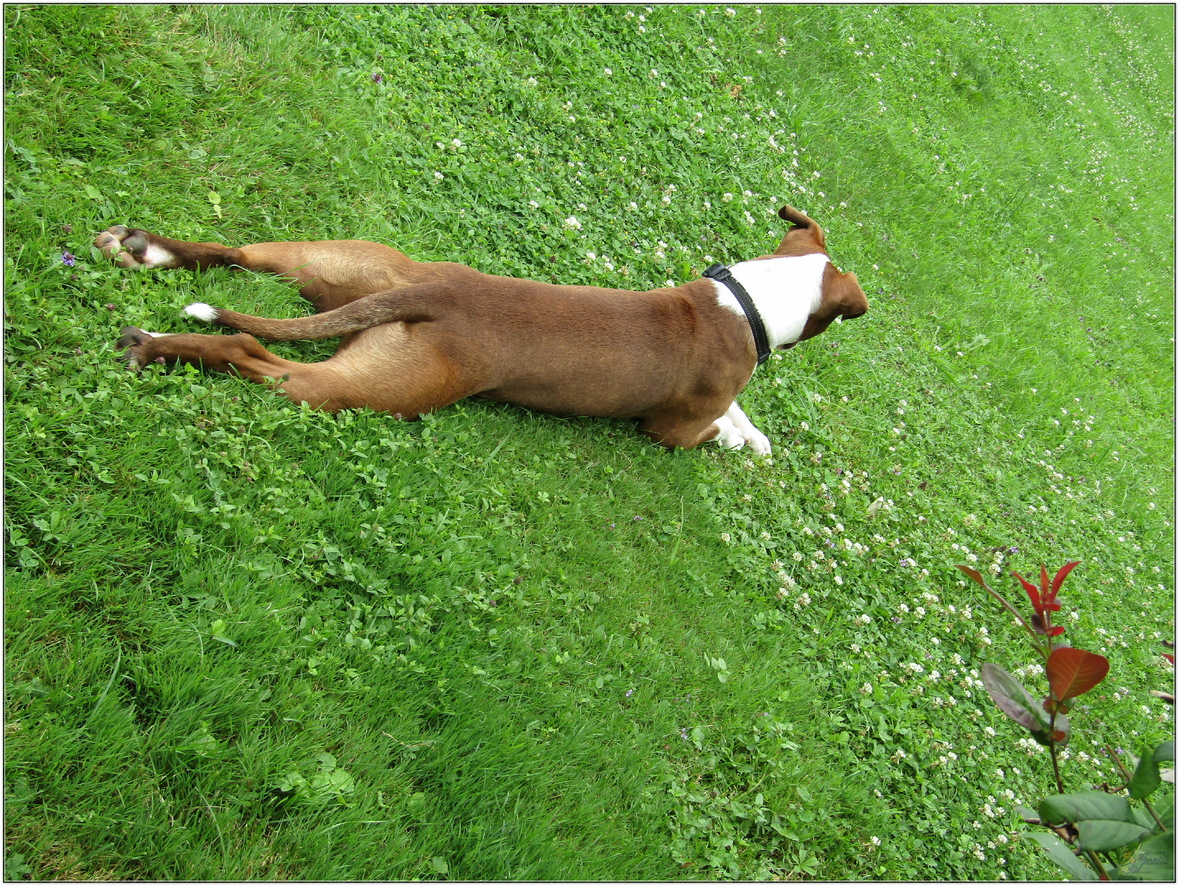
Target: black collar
[{"x": 723, "y": 275}]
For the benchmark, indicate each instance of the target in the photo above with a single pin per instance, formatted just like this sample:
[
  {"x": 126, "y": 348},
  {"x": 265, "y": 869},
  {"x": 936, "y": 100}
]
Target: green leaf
[
  {"x": 1154, "y": 860},
  {"x": 1073, "y": 672},
  {"x": 1015, "y": 701},
  {"x": 1165, "y": 753},
  {"x": 1060, "y": 853},
  {"x": 1105, "y": 835},
  {"x": 1104, "y": 822},
  {"x": 1145, "y": 778}
]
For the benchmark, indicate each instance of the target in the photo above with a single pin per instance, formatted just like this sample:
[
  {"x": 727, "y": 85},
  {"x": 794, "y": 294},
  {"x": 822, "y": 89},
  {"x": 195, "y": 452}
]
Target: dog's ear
[{"x": 804, "y": 237}]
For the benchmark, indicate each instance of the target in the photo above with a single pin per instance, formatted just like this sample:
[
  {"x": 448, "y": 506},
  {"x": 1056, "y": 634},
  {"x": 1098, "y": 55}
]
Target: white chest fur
[{"x": 786, "y": 291}]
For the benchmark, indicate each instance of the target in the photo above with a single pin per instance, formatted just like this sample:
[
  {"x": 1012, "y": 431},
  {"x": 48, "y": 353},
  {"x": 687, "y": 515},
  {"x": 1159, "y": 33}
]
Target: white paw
[
  {"x": 736, "y": 431},
  {"x": 132, "y": 249},
  {"x": 728, "y": 436},
  {"x": 731, "y": 436},
  {"x": 759, "y": 443}
]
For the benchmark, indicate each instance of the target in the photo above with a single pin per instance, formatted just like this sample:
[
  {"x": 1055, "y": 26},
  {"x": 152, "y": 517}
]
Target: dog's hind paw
[
  {"x": 134, "y": 249},
  {"x": 132, "y": 340}
]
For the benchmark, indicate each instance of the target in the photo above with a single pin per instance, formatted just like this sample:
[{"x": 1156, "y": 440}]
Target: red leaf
[
  {"x": 1052, "y": 706},
  {"x": 1073, "y": 672},
  {"x": 1062, "y": 574},
  {"x": 1038, "y": 626},
  {"x": 973, "y": 574},
  {"x": 1033, "y": 591}
]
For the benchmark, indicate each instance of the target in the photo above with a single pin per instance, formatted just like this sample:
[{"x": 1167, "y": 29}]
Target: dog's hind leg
[
  {"x": 733, "y": 430},
  {"x": 241, "y": 354},
  {"x": 678, "y": 431},
  {"x": 329, "y": 273},
  {"x": 388, "y": 369}
]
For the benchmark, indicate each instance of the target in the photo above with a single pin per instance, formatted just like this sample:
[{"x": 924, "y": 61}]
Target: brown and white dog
[{"x": 418, "y": 336}]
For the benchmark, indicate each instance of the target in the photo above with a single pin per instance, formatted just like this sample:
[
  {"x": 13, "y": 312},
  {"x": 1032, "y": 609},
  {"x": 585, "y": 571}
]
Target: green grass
[{"x": 246, "y": 640}]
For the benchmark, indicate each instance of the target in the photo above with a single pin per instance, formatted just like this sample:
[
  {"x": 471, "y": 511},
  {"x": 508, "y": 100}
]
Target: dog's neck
[{"x": 786, "y": 291}]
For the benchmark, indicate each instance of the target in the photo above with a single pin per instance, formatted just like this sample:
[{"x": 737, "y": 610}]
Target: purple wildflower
[{"x": 68, "y": 259}]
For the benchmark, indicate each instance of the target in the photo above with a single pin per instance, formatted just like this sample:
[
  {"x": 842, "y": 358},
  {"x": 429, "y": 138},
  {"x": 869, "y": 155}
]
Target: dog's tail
[{"x": 413, "y": 304}]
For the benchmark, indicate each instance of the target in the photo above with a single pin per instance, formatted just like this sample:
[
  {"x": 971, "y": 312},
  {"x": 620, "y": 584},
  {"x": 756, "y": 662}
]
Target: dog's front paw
[
  {"x": 759, "y": 443},
  {"x": 731, "y": 436},
  {"x": 134, "y": 249}
]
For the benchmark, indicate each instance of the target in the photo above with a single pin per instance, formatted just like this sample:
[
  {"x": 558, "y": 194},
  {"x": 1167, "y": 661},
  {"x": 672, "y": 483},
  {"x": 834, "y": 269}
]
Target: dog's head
[{"x": 842, "y": 295}]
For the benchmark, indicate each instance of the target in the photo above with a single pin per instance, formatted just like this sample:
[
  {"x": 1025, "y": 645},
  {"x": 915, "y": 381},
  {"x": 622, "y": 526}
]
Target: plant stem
[
  {"x": 1052, "y": 748},
  {"x": 1012, "y": 610},
  {"x": 1096, "y": 863},
  {"x": 1056, "y": 770}
]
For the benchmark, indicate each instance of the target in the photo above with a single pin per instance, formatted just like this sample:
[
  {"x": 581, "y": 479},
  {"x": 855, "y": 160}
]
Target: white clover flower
[{"x": 572, "y": 223}]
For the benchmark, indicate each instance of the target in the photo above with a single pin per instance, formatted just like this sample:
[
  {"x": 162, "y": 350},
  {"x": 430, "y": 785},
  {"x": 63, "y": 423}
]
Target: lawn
[{"x": 246, "y": 640}]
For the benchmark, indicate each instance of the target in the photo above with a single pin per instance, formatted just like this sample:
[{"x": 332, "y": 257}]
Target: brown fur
[{"x": 418, "y": 336}]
